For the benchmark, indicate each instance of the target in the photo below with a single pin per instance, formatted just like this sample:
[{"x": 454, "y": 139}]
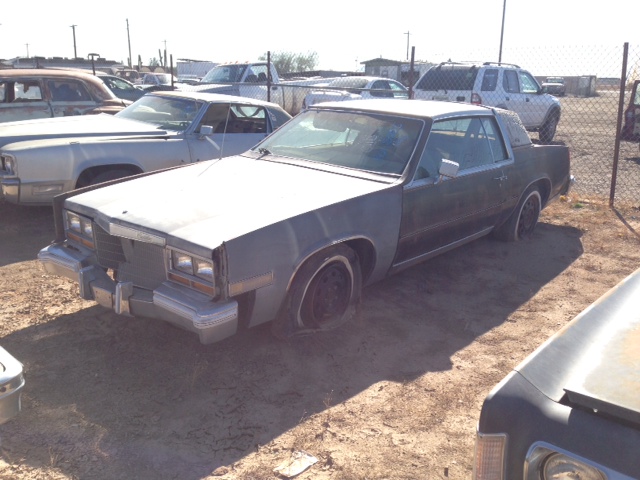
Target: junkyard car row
[{"x": 289, "y": 228}]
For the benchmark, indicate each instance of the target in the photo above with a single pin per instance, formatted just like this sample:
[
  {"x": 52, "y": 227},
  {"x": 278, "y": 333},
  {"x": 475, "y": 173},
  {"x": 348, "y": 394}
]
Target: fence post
[
  {"x": 411, "y": 68},
  {"x": 616, "y": 151},
  {"x": 268, "y": 76}
]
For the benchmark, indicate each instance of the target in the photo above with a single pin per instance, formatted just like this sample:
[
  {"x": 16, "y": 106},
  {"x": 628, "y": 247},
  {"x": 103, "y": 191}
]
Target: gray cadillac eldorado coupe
[
  {"x": 571, "y": 410},
  {"x": 342, "y": 195}
]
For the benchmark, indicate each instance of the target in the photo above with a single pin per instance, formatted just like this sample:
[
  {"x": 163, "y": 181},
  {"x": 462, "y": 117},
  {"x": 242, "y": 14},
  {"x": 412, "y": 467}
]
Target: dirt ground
[{"x": 394, "y": 395}]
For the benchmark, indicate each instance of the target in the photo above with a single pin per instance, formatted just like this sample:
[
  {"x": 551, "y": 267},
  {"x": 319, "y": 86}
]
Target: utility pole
[
  {"x": 504, "y": 9},
  {"x": 27, "y": 49},
  {"x": 129, "y": 41},
  {"x": 407, "y": 34},
  {"x": 165, "y": 53},
  {"x": 75, "y": 52}
]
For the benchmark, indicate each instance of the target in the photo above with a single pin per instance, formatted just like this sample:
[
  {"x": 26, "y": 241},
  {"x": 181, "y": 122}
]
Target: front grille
[{"x": 131, "y": 260}]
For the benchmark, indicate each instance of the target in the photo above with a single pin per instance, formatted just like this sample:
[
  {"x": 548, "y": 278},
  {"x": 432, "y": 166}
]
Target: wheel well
[
  {"x": 89, "y": 174},
  {"x": 366, "y": 255},
  {"x": 544, "y": 186}
]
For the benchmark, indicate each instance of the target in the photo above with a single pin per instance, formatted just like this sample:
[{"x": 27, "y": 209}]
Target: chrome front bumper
[
  {"x": 181, "y": 306},
  {"x": 11, "y": 384}
]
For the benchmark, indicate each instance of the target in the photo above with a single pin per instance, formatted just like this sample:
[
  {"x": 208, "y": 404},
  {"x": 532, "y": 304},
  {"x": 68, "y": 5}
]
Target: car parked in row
[
  {"x": 571, "y": 410},
  {"x": 356, "y": 88},
  {"x": 121, "y": 88},
  {"x": 555, "y": 86},
  {"x": 500, "y": 85},
  {"x": 12, "y": 383},
  {"x": 42, "y": 158},
  {"x": 339, "y": 197},
  {"x": 46, "y": 93}
]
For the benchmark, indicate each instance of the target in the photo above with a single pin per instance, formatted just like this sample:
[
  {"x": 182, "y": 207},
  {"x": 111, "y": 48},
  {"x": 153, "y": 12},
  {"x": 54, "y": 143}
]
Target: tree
[{"x": 287, "y": 62}]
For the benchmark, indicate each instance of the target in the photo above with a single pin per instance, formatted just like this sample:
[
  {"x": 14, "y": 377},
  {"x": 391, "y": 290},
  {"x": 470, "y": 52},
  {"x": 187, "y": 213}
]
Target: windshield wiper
[{"x": 263, "y": 151}]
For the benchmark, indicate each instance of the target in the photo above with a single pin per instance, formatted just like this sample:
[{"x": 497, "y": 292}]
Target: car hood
[
  {"x": 209, "y": 203},
  {"x": 594, "y": 360},
  {"x": 76, "y": 126}
]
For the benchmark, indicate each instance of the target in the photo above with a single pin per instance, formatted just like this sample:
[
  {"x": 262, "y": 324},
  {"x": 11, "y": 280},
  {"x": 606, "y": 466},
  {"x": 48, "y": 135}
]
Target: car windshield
[
  {"x": 224, "y": 74},
  {"x": 363, "y": 141},
  {"x": 166, "y": 112}
]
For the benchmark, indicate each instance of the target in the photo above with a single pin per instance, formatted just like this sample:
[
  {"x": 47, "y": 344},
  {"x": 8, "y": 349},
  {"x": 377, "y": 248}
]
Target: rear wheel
[
  {"x": 323, "y": 294},
  {"x": 524, "y": 218}
]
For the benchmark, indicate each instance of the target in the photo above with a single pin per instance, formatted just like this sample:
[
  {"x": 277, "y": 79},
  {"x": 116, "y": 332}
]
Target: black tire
[
  {"x": 524, "y": 218},
  {"x": 548, "y": 130},
  {"x": 109, "y": 175},
  {"x": 323, "y": 294}
]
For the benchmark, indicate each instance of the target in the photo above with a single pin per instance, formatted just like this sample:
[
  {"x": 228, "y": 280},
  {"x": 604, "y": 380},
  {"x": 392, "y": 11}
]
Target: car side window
[
  {"x": 527, "y": 83},
  {"x": 247, "y": 119},
  {"x": 510, "y": 81},
  {"x": 26, "y": 91},
  {"x": 380, "y": 88},
  {"x": 471, "y": 142},
  {"x": 490, "y": 80},
  {"x": 216, "y": 116},
  {"x": 68, "y": 91}
]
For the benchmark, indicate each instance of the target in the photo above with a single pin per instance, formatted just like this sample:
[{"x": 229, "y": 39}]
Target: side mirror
[
  {"x": 206, "y": 130},
  {"x": 448, "y": 169}
]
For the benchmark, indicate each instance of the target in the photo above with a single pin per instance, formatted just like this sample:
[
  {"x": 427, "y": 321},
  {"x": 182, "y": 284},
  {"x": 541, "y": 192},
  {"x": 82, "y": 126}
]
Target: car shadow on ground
[
  {"x": 139, "y": 395},
  {"x": 21, "y": 225}
]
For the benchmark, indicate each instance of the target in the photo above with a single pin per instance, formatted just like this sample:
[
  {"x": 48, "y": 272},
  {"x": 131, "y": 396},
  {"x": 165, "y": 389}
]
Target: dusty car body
[
  {"x": 40, "y": 159},
  {"x": 342, "y": 195},
  {"x": 631, "y": 129},
  {"x": 356, "y": 88},
  {"x": 46, "y": 93},
  {"x": 11, "y": 385},
  {"x": 572, "y": 408}
]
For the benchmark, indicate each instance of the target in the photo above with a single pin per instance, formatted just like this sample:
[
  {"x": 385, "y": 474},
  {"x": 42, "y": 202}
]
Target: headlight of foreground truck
[
  {"x": 79, "y": 229},
  {"x": 489, "y": 461}
]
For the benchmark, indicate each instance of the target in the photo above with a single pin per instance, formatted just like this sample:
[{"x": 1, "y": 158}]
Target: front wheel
[
  {"x": 524, "y": 218},
  {"x": 323, "y": 294}
]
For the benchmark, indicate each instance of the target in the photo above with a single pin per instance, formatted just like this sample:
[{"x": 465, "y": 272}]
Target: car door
[
  {"x": 22, "y": 99},
  {"x": 522, "y": 95},
  {"x": 69, "y": 97},
  {"x": 439, "y": 213},
  {"x": 236, "y": 128}
]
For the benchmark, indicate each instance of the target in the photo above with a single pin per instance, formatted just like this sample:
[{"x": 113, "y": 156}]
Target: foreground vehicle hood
[
  {"x": 595, "y": 358},
  {"x": 75, "y": 126},
  {"x": 212, "y": 202}
]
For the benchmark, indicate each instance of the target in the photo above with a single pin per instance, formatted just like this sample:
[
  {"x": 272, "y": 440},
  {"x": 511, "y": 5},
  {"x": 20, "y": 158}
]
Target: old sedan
[
  {"x": 46, "y": 93},
  {"x": 356, "y": 88},
  {"x": 40, "y": 159},
  {"x": 571, "y": 410},
  {"x": 11, "y": 385},
  {"x": 339, "y": 197}
]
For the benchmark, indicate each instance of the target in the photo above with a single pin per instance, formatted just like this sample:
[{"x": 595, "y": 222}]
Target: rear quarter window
[{"x": 447, "y": 77}]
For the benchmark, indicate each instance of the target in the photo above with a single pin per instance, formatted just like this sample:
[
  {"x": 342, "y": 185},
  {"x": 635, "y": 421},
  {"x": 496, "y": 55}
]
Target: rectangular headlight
[
  {"x": 79, "y": 228},
  {"x": 489, "y": 458},
  {"x": 194, "y": 272},
  {"x": 182, "y": 262}
]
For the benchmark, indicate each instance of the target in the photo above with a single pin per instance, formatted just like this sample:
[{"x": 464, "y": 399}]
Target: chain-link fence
[{"x": 592, "y": 106}]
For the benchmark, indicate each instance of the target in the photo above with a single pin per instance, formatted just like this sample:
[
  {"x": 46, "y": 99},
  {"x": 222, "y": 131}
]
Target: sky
[{"x": 342, "y": 33}]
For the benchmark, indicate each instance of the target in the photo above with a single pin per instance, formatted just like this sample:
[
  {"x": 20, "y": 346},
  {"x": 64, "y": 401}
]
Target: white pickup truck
[{"x": 259, "y": 80}]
